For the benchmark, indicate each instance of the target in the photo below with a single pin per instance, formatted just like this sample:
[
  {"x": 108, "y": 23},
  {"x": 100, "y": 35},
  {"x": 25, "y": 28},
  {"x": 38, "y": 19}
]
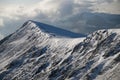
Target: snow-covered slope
[{"x": 38, "y": 51}]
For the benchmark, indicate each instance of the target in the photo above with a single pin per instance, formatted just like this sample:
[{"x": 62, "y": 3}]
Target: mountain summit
[
  {"x": 38, "y": 51},
  {"x": 51, "y": 30}
]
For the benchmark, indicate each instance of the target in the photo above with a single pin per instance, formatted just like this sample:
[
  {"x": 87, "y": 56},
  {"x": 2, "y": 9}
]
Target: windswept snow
[
  {"x": 115, "y": 31},
  {"x": 38, "y": 51}
]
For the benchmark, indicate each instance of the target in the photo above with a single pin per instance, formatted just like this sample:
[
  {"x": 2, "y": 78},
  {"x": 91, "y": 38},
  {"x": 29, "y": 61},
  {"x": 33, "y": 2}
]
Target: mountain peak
[
  {"x": 30, "y": 54},
  {"x": 49, "y": 29}
]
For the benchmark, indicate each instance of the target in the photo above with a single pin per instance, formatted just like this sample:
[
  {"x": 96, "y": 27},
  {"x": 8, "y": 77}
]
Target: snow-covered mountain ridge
[
  {"x": 38, "y": 51},
  {"x": 51, "y": 30}
]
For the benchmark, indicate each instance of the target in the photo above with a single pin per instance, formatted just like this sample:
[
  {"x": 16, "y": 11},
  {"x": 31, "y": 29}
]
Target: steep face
[
  {"x": 32, "y": 34},
  {"x": 22, "y": 38},
  {"x": 33, "y": 53},
  {"x": 98, "y": 56},
  {"x": 29, "y": 45}
]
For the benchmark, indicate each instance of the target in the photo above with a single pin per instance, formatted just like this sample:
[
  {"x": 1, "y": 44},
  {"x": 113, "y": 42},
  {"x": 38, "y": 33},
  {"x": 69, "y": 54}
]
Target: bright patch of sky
[{"x": 11, "y": 2}]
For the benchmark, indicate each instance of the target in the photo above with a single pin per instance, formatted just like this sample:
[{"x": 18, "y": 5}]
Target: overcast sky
[{"x": 13, "y": 13}]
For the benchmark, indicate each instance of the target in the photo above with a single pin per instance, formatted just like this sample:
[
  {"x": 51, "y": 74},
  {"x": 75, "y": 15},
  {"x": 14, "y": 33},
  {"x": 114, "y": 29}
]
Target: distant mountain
[
  {"x": 51, "y": 30},
  {"x": 89, "y": 22},
  {"x": 101, "y": 19},
  {"x": 39, "y": 51}
]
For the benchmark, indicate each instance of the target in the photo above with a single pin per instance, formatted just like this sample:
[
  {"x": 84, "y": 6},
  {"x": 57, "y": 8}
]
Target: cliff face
[{"x": 38, "y": 51}]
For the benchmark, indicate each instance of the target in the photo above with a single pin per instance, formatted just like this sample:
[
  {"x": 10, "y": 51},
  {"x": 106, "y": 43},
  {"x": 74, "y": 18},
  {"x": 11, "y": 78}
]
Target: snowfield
[{"x": 39, "y": 51}]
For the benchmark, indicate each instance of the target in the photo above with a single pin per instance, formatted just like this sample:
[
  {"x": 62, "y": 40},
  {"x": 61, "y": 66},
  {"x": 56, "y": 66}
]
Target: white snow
[
  {"x": 42, "y": 49},
  {"x": 114, "y": 31}
]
